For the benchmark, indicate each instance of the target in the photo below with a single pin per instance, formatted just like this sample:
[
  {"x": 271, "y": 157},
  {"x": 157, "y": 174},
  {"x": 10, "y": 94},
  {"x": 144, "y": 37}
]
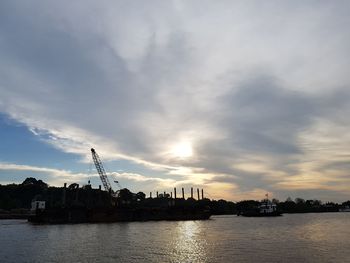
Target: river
[{"x": 293, "y": 238}]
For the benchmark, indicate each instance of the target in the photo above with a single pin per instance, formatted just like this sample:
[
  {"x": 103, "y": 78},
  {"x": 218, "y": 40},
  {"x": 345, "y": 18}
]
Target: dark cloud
[
  {"x": 263, "y": 120},
  {"x": 255, "y": 97}
]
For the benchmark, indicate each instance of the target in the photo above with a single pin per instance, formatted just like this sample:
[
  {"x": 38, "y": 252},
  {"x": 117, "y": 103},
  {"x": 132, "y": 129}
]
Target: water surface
[{"x": 292, "y": 238}]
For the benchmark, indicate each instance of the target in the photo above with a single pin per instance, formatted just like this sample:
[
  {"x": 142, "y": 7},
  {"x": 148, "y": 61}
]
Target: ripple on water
[{"x": 291, "y": 238}]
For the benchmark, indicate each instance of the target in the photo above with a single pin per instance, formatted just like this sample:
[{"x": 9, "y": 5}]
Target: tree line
[{"x": 20, "y": 196}]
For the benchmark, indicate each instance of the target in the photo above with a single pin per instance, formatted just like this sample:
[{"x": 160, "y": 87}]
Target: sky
[{"x": 240, "y": 98}]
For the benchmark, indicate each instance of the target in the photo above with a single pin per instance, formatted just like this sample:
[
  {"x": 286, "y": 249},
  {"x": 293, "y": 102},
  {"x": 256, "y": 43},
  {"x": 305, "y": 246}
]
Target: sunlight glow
[{"x": 182, "y": 150}]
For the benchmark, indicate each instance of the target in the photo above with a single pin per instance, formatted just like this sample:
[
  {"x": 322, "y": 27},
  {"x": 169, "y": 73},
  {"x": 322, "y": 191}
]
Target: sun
[{"x": 182, "y": 150}]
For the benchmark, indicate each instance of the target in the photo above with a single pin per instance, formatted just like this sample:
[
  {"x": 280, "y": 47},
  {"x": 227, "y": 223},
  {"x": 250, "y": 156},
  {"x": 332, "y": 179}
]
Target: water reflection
[
  {"x": 314, "y": 232},
  {"x": 188, "y": 244},
  {"x": 320, "y": 238}
]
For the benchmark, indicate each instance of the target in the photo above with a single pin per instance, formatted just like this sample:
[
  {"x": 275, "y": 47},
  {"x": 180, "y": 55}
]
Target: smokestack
[
  {"x": 157, "y": 194},
  {"x": 99, "y": 187},
  {"x": 183, "y": 193},
  {"x": 202, "y": 194},
  {"x": 198, "y": 193},
  {"x": 191, "y": 192},
  {"x": 77, "y": 193},
  {"x": 64, "y": 194},
  {"x": 150, "y": 194},
  {"x": 175, "y": 192},
  {"x": 171, "y": 195}
]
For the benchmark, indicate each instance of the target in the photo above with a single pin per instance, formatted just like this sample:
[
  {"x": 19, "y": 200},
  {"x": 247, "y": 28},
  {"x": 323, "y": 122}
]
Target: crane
[{"x": 101, "y": 171}]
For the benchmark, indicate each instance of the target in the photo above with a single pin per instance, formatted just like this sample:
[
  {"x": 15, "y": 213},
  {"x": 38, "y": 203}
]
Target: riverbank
[{"x": 14, "y": 214}]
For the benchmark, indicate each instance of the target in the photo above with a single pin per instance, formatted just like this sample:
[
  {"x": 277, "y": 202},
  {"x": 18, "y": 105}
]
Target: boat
[
  {"x": 344, "y": 209},
  {"x": 85, "y": 215},
  {"x": 74, "y": 204},
  {"x": 265, "y": 209}
]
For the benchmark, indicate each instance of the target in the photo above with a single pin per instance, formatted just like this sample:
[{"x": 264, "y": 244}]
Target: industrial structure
[
  {"x": 79, "y": 205},
  {"x": 101, "y": 171}
]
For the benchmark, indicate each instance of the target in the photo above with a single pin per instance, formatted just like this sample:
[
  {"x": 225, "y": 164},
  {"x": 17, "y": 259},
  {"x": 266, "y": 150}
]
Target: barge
[{"x": 86, "y": 205}]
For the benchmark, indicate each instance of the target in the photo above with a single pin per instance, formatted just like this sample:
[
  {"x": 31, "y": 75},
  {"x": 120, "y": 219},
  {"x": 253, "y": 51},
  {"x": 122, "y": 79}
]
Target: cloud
[
  {"x": 52, "y": 176},
  {"x": 255, "y": 87}
]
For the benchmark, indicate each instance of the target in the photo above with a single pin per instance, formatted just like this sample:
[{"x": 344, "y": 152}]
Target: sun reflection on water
[{"x": 188, "y": 243}]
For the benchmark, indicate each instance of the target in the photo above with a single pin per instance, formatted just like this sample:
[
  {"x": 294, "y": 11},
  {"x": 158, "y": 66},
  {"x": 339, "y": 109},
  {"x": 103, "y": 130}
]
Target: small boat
[
  {"x": 265, "y": 209},
  {"x": 345, "y": 209}
]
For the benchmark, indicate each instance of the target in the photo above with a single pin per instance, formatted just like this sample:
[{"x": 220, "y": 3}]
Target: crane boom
[{"x": 101, "y": 171}]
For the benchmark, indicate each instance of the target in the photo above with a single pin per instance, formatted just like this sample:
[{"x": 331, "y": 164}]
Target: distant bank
[{"x": 16, "y": 199}]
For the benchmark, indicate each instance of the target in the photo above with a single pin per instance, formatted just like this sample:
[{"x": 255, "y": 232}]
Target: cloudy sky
[{"x": 240, "y": 98}]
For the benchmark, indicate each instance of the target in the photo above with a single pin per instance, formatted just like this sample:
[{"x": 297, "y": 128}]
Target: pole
[{"x": 64, "y": 195}]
